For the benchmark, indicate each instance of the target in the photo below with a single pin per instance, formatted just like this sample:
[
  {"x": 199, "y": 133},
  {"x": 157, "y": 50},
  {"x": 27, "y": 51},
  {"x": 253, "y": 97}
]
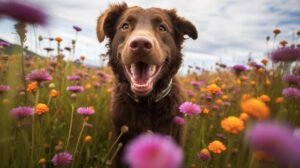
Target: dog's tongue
[{"x": 141, "y": 72}]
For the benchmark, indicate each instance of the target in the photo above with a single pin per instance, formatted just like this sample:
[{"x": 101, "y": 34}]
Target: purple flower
[
  {"x": 62, "y": 159},
  {"x": 22, "y": 12},
  {"x": 86, "y": 111},
  {"x": 73, "y": 78},
  {"x": 153, "y": 151},
  {"x": 189, "y": 108},
  {"x": 239, "y": 68},
  {"x": 286, "y": 54},
  {"x": 292, "y": 79},
  {"x": 4, "y": 88},
  {"x": 4, "y": 44},
  {"x": 196, "y": 83},
  {"x": 276, "y": 140},
  {"x": 179, "y": 120},
  {"x": 291, "y": 93},
  {"x": 39, "y": 76},
  {"x": 190, "y": 93},
  {"x": 297, "y": 133},
  {"x": 75, "y": 89},
  {"x": 22, "y": 112},
  {"x": 76, "y": 28}
]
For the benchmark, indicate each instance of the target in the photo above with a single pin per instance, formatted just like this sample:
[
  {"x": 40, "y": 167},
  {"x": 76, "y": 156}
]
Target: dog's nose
[{"x": 140, "y": 44}]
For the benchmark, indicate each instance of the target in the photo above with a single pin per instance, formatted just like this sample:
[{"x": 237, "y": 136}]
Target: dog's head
[{"x": 144, "y": 44}]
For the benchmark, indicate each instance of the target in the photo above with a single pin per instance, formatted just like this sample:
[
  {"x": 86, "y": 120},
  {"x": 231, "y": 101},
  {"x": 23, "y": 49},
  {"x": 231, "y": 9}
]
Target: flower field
[{"x": 54, "y": 112}]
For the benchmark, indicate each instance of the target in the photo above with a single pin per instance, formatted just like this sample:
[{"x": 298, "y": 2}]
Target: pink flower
[
  {"x": 22, "y": 112},
  {"x": 153, "y": 151},
  {"x": 62, "y": 159},
  {"x": 189, "y": 108},
  {"x": 39, "y": 76},
  {"x": 86, "y": 111},
  {"x": 179, "y": 120}
]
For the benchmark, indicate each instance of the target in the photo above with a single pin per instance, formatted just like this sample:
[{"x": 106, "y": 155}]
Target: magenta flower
[
  {"x": 179, "y": 120},
  {"x": 4, "y": 88},
  {"x": 291, "y": 93},
  {"x": 39, "y": 76},
  {"x": 189, "y": 108},
  {"x": 77, "y": 29},
  {"x": 292, "y": 79},
  {"x": 86, "y": 111},
  {"x": 22, "y": 112},
  {"x": 286, "y": 54},
  {"x": 75, "y": 89},
  {"x": 62, "y": 159},
  {"x": 239, "y": 68},
  {"x": 153, "y": 151},
  {"x": 73, "y": 78},
  {"x": 4, "y": 44},
  {"x": 22, "y": 12},
  {"x": 276, "y": 140}
]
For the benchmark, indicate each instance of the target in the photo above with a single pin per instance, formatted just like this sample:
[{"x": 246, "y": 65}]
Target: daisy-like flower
[
  {"x": 77, "y": 29},
  {"x": 179, "y": 120},
  {"x": 291, "y": 93},
  {"x": 277, "y": 140},
  {"x": 153, "y": 151},
  {"x": 39, "y": 76},
  {"x": 86, "y": 111},
  {"x": 75, "y": 89},
  {"x": 22, "y": 112},
  {"x": 216, "y": 147},
  {"x": 232, "y": 124},
  {"x": 286, "y": 54},
  {"x": 22, "y": 12},
  {"x": 4, "y": 88},
  {"x": 189, "y": 108},
  {"x": 62, "y": 159}
]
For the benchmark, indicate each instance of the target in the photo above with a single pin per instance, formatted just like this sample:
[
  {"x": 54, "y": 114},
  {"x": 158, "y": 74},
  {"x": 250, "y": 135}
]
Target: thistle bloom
[
  {"x": 239, "y": 68},
  {"x": 189, "y": 108},
  {"x": 73, "y": 78},
  {"x": 232, "y": 124},
  {"x": 62, "y": 159},
  {"x": 22, "y": 12},
  {"x": 255, "y": 108},
  {"x": 22, "y": 112},
  {"x": 292, "y": 79},
  {"x": 286, "y": 54},
  {"x": 75, "y": 89},
  {"x": 4, "y": 88},
  {"x": 216, "y": 147},
  {"x": 291, "y": 93},
  {"x": 179, "y": 120},
  {"x": 86, "y": 111},
  {"x": 153, "y": 151},
  {"x": 39, "y": 76},
  {"x": 277, "y": 140},
  {"x": 77, "y": 29}
]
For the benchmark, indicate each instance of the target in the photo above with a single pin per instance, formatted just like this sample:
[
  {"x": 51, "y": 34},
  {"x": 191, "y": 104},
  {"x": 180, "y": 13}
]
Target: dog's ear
[
  {"x": 182, "y": 26},
  {"x": 106, "y": 22}
]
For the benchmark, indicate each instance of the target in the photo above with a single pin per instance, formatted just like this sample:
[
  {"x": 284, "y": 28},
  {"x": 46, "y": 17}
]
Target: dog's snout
[{"x": 140, "y": 44}]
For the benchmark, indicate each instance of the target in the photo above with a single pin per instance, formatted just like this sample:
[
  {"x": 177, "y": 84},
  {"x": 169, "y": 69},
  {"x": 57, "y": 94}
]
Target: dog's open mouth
[{"x": 142, "y": 77}]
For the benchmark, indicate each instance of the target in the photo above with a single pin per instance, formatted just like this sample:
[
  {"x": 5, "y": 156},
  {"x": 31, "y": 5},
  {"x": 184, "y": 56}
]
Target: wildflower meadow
[{"x": 55, "y": 109}]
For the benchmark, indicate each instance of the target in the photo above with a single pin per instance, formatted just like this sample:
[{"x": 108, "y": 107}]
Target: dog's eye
[
  {"x": 162, "y": 28},
  {"x": 125, "y": 26}
]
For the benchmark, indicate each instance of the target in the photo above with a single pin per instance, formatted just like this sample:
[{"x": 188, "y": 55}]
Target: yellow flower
[
  {"x": 216, "y": 147},
  {"x": 54, "y": 93},
  {"x": 256, "y": 108},
  {"x": 225, "y": 97},
  {"x": 264, "y": 98},
  {"x": 244, "y": 116},
  {"x": 88, "y": 139},
  {"x": 31, "y": 87},
  {"x": 232, "y": 124},
  {"x": 279, "y": 100},
  {"x": 41, "y": 109},
  {"x": 213, "y": 89}
]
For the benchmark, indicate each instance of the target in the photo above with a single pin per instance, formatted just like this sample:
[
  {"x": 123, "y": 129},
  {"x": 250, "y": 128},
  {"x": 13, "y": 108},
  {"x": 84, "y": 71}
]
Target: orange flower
[
  {"x": 225, "y": 97},
  {"x": 264, "y": 98},
  {"x": 246, "y": 97},
  {"x": 219, "y": 102},
  {"x": 204, "y": 110},
  {"x": 82, "y": 58},
  {"x": 262, "y": 156},
  {"x": 283, "y": 43},
  {"x": 54, "y": 93},
  {"x": 42, "y": 161},
  {"x": 264, "y": 61},
  {"x": 213, "y": 89},
  {"x": 276, "y": 31},
  {"x": 232, "y": 124},
  {"x": 88, "y": 86},
  {"x": 252, "y": 83},
  {"x": 41, "y": 109},
  {"x": 216, "y": 147},
  {"x": 87, "y": 139},
  {"x": 279, "y": 100},
  {"x": 256, "y": 108},
  {"x": 267, "y": 82},
  {"x": 244, "y": 116},
  {"x": 58, "y": 39},
  {"x": 31, "y": 87}
]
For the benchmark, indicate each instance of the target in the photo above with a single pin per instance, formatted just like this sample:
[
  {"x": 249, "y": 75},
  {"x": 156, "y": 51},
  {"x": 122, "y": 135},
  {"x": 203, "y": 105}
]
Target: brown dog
[{"x": 144, "y": 50}]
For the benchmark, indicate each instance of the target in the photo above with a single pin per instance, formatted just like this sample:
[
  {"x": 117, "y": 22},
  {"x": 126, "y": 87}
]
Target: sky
[{"x": 229, "y": 31}]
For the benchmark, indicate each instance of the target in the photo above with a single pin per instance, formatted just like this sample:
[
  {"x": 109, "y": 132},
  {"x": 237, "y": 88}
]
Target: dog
[{"x": 145, "y": 53}]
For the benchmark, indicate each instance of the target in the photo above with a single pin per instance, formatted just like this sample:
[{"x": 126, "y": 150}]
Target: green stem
[
  {"x": 78, "y": 141},
  {"x": 113, "y": 145},
  {"x": 70, "y": 126},
  {"x": 33, "y": 125}
]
